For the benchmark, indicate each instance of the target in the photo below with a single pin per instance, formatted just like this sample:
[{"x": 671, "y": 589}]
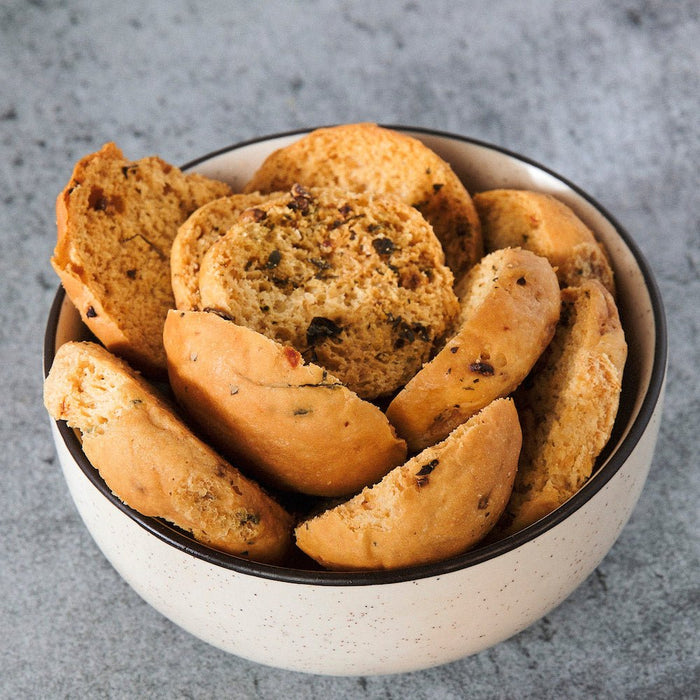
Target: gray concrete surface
[{"x": 606, "y": 93}]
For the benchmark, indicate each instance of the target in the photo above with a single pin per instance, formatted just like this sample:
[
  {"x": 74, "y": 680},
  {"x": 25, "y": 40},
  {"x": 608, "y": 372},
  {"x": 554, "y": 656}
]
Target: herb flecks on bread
[
  {"x": 116, "y": 223},
  {"x": 355, "y": 282}
]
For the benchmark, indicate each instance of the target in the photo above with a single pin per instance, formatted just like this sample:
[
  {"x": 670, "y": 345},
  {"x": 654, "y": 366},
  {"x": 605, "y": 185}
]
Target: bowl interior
[{"x": 481, "y": 166}]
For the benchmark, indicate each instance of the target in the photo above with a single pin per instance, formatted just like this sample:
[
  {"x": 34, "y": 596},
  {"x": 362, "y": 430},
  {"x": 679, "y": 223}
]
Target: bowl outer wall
[{"x": 401, "y": 625}]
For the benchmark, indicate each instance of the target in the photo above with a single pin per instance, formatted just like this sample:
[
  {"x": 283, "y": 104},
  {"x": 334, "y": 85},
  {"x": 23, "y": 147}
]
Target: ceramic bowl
[{"x": 414, "y": 618}]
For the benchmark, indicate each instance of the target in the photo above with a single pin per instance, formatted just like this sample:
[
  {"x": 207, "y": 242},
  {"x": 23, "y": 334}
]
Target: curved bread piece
[
  {"x": 355, "y": 282},
  {"x": 116, "y": 222},
  {"x": 568, "y": 405},
  {"x": 153, "y": 463},
  {"x": 366, "y": 157},
  {"x": 541, "y": 223},
  {"x": 296, "y": 426},
  {"x": 437, "y": 505},
  {"x": 510, "y": 307},
  {"x": 194, "y": 237}
]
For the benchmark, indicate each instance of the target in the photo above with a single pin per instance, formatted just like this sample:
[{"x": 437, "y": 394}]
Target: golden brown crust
[
  {"x": 437, "y": 505},
  {"x": 296, "y": 426},
  {"x": 195, "y": 236},
  {"x": 116, "y": 220},
  {"x": 355, "y": 282},
  {"x": 153, "y": 462},
  {"x": 368, "y": 158},
  {"x": 568, "y": 405},
  {"x": 511, "y": 303},
  {"x": 541, "y": 223}
]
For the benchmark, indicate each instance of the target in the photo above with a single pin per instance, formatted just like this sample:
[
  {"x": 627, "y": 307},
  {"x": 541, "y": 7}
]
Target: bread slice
[
  {"x": 368, "y": 158},
  {"x": 437, "y": 505},
  {"x": 568, "y": 405},
  {"x": 153, "y": 462},
  {"x": 116, "y": 222},
  {"x": 510, "y": 307},
  {"x": 355, "y": 282},
  {"x": 541, "y": 223},
  {"x": 195, "y": 236}
]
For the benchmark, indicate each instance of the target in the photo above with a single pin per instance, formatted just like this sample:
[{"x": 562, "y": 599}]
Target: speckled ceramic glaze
[{"x": 389, "y": 622}]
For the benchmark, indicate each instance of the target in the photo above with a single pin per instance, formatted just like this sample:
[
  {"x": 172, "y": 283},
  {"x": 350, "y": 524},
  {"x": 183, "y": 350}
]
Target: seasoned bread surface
[
  {"x": 541, "y": 223},
  {"x": 368, "y": 158},
  {"x": 152, "y": 461},
  {"x": 568, "y": 405},
  {"x": 295, "y": 425},
  {"x": 436, "y": 505},
  {"x": 510, "y": 307},
  {"x": 116, "y": 222},
  {"x": 355, "y": 282},
  {"x": 195, "y": 236}
]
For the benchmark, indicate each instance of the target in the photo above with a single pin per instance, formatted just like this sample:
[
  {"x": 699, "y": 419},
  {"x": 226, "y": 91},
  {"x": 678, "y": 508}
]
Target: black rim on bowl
[{"x": 609, "y": 468}]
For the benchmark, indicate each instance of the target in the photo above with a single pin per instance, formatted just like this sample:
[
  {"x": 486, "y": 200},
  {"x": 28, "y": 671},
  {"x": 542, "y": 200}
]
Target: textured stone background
[{"x": 604, "y": 92}]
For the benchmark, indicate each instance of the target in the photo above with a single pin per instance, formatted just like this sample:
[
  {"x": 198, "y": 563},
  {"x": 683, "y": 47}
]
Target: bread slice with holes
[
  {"x": 293, "y": 424},
  {"x": 568, "y": 405},
  {"x": 368, "y": 158},
  {"x": 355, "y": 282},
  {"x": 435, "y": 506},
  {"x": 541, "y": 223},
  {"x": 195, "y": 236},
  {"x": 116, "y": 222},
  {"x": 154, "y": 463},
  {"x": 510, "y": 307}
]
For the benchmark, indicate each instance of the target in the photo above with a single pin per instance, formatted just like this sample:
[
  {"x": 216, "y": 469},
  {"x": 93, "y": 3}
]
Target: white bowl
[{"x": 410, "y": 619}]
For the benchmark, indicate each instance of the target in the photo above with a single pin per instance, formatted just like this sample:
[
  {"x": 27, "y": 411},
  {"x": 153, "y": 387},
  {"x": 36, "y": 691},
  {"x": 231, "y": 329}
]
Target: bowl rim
[{"x": 184, "y": 543}]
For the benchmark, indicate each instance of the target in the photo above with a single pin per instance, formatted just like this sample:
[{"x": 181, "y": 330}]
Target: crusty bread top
[
  {"x": 541, "y": 223},
  {"x": 568, "y": 404},
  {"x": 510, "y": 307},
  {"x": 293, "y": 425},
  {"x": 116, "y": 223},
  {"x": 152, "y": 461},
  {"x": 366, "y": 157},
  {"x": 435, "y": 506},
  {"x": 195, "y": 236},
  {"x": 355, "y": 282}
]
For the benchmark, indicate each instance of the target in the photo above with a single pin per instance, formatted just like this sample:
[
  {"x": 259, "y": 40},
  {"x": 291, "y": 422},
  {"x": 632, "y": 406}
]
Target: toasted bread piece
[
  {"x": 568, "y": 405},
  {"x": 435, "y": 506},
  {"x": 153, "y": 462},
  {"x": 510, "y": 307},
  {"x": 369, "y": 158},
  {"x": 541, "y": 223},
  {"x": 355, "y": 282},
  {"x": 296, "y": 425},
  {"x": 116, "y": 221},
  {"x": 195, "y": 236}
]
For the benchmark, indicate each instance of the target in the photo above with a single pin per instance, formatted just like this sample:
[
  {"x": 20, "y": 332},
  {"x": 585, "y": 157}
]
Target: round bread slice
[
  {"x": 154, "y": 463},
  {"x": 437, "y": 505},
  {"x": 568, "y": 405},
  {"x": 116, "y": 223},
  {"x": 194, "y": 237},
  {"x": 510, "y": 307},
  {"x": 355, "y": 282},
  {"x": 541, "y": 223},
  {"x": 295, "y": 425},
  {"x": 369, "y": 158}
]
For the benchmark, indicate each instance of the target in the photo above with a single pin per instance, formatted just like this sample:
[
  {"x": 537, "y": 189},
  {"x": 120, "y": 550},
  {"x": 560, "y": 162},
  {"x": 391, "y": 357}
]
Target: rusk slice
[
  {"x": 295, "y": 425},
  {"x": 195, "y": 236},
  {"x": 541, "y": 223},
  {"x": 116, "y": 222},
  {"x": 510, "y": 307},
  {"x": 437, "y": 505},
  {"x": 153, "y": 462},
  {"x": 568, "y": 405},
  {"x": 369, "y": 158},
  {"x": 355, "y": 282}
]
